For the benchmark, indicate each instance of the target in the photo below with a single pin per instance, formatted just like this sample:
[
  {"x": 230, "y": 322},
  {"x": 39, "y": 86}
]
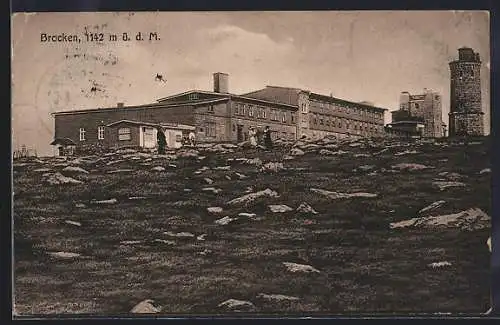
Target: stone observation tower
[{"x": 466, "y": 116}]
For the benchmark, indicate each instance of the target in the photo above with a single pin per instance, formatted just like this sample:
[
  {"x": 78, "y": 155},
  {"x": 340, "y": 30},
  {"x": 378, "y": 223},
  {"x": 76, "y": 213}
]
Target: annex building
[{"x": 218, "y": 116}]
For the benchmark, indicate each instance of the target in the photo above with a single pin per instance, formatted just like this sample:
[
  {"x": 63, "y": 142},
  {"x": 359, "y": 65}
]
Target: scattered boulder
[
  {"x": 432, "y": 206},
  {"x": 236, "y": 305},
  {"x": 277, "y": 297},
  {"x": 212, "y": 189},
  {"x": 273, "y": 167},
  {"x": 179, "y": 234},
  {"x": 362, "y": 155},
  {"x": 488, "y": 243},
  {"x": 471, "y": 219},
  {"x": 80, "y": 205},
  {"x": 64, "y": 254},
  {"x": 485, "y": 171},
  {"x": 224, "y": 221},
  {"x": 437, "y": 265},
  {"x": 365, "y": 168},
  {"x": 201, "y": 237},
  {"x": 326, "y": 152},
  {"x": 451, "y": 176},
  {"x": 294, "y": 267},
  {"x": 134, "y": 198},
  {"x": 215, "y": 209},
  {"x": 187, "y": 153},
  {"x": 60, "y": 179},
  {"x": 158, "y": 169},
  {"x": 253, "y": 196},
  {"x": 247, "y": 215},
  {"x": 280, "y": 208},
  {"x": 42, "y": 170},
  {"x": 74, "y": 223},
  {"x": 443, "y": 185},
  {"x": 338, "y": 195},
  {"x": 110, "y": 201},
  {"x": 255, "y": 161},
  {"x": 406, "y": 152},
  {"x": 209, "y": 181},
  {"x": 163, "y": 241},
  {"x": 410, "y": 167},
  {"x": 146, "y": 307},
  {"x": 222, "y": 168},
  {"x": 130, "y": 242},
  {"x": 306, "y": 208},
  {"x": 113, "y": 162},
  {"x": 241, "y": 176},
  {"x": 297, "y": 152}
]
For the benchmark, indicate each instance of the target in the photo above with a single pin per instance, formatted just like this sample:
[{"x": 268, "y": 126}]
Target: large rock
[
  {"x": 253, "y": 196},
  {"x": 273, "y": 167},
  {"x": 215, "y": 209},
  {"x": 471, "y": 219},
  {"x": 295, "y": 267},
  {"x": 76, "y": 170},
  {"x": 296, "y": 152},
  {"x": 59, "y": 179},
  {"x": 338, "y": 195},
  {"x": 279, "y": 208},
  {"x": 432, "y": 207},
  {"x": 410, "y": 167},
  {"x": 237, "y": 305},
  {"x": 306, "y": 208},
  {"x": 146, "y": 307},
  {"x": 225, "y": 220},
  {"x": 443, "y": 185}
]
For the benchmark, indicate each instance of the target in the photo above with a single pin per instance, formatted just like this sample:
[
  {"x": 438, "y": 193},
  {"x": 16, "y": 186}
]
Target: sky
[{"x": 354, "y": 55}]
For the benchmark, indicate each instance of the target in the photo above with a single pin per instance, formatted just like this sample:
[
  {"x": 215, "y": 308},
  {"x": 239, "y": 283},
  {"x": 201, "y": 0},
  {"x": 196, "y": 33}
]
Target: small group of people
[
  {"x": 254, "y": 137},
  {"x": 162, "y": 140}
]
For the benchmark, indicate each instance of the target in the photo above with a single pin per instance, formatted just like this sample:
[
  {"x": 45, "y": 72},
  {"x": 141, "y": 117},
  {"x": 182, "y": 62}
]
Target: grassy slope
[{"x": 365, "y": 266}]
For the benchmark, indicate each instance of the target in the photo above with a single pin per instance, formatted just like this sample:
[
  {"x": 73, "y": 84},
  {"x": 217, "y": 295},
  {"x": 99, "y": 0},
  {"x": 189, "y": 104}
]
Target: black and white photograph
[{"x": 232, "y": 163}]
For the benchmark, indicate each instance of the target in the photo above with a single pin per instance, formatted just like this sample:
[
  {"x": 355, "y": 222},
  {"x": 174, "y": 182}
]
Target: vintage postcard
[{"x": 251, "y": 163}]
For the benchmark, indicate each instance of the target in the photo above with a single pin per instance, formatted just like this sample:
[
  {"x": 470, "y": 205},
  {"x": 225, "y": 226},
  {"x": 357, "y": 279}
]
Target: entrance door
[
  {"x": 239, "y": 133},
  {"x": 149, "y": 139}
]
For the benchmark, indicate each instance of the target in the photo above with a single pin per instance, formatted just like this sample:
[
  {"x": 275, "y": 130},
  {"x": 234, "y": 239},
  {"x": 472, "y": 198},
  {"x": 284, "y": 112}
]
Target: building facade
[
  {"x": 418, "y": 115},
  {"x": 466, "y": 116},
  {"x": 219, "y": 116},
  {"x": 320, "y": 115}
]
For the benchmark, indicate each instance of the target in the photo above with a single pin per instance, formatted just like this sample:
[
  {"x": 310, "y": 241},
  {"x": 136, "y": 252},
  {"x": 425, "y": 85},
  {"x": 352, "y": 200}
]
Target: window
[
  {"x": 293, "y": 117},
  {"x": 100, "y": 133},
  {"x": 124, "y": 134},
  {"x": 320, "y": 121},
  {"x": 283, "y": 135},
  {"x": 283, "y": 117},
  {"x": 234, "y": 128},
  {"x": 210, "y": 129},
  {"x": 192, "y": 96},
  {"x": 264, "y": 113},
  {"x": 211, "y": 109},
  {"x": 82, "y": 134},
  {"x": 250, "y": 111},
  {"x": 178, "y": 138},
  {"x": 303, "y": 107}
]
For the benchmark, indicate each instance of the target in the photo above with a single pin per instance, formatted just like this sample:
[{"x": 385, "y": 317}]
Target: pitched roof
[
  {"x": 161, "y": 124},
  {"x": 63, "y": 141}
]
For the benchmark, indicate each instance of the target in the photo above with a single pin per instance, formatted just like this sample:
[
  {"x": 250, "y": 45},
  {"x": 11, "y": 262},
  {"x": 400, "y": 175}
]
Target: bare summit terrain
[{"x": 311, "y": 227}]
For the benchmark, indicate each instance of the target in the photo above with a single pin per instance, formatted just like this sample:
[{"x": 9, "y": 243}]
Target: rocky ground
[{"x": 316, "y": 227}]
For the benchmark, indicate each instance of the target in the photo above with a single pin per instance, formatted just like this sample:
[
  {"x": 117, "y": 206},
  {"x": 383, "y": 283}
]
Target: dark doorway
[{"x": 239, "y": 133}]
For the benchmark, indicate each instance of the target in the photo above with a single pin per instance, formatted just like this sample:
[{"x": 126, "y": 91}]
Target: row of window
[
  {"x": 123, "y": 133},
  {"x": 365, "y": 112},
  {"x": 261, "y": 113},
  {"x": 339, "y": 122},
  {"x": 100, "y": 133}
]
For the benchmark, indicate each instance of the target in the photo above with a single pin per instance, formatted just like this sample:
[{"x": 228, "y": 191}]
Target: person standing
[
  {"x": 162, "y": 141},
  {"x": 192, "y": 139},
  {"x": 268, "y": 142},
  {"x": 253, "y": 136}
]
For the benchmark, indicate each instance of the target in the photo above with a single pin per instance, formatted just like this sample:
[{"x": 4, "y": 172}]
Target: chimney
[
  {"x": 221, "y": 83},
  {"x": 120, "y": 105}
]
